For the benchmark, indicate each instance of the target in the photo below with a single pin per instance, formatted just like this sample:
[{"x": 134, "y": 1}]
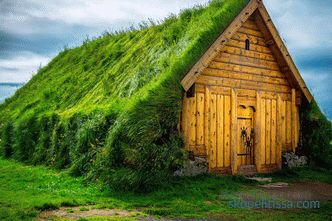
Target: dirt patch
[
  {"x": 73, "y": 213},
  {"x": 149, "y": 218},
  {"x": 301, "y": 191}
]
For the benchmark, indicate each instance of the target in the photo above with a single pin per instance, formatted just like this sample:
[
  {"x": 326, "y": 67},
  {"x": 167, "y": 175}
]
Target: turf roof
[
  {"x": 110, "y": 108},
  {"x": 114, "y": 70}
]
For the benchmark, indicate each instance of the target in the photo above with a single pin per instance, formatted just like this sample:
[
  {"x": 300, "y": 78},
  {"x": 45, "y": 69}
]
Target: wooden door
[{"x": 245, "y": 135}]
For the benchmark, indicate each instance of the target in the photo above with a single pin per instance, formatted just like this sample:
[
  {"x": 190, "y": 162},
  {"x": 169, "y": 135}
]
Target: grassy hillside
[
  {"x": 114, "y": 68},
  {"x": 316, "y": 140},
  {"x": 110, "y": 108}
]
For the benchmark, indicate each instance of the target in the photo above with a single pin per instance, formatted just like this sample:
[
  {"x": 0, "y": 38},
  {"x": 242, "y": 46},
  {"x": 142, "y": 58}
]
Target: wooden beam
[
  {"x": 283, "y": 50},
  {"x": 279, "y": 132},
  {"x": 274, "y": 42},
  {"x": 207, "y": 122},
  {"x": 216, "y": 47},
  {"x": 258, "y": 131},
  {"x": 293, "y": 120},
  {"x": 274, "y": 48},
  {"x": 234, "y": 134}
]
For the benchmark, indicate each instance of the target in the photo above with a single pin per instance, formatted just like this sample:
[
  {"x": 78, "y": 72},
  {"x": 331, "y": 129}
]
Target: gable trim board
[
  {"x": 274, "y": 42},
  {"x": 245, "y": 108}
]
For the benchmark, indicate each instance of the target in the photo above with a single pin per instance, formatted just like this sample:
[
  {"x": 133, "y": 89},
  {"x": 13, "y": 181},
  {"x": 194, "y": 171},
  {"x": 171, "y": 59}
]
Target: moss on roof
[
  {"x": 109, "y": 109},
  {"x": 118, "y": 67}
]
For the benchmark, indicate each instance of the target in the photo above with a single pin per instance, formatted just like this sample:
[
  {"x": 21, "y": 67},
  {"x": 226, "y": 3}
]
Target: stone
[
  {"x": 291, "y": 160},
  {"x": 261, "y": 179},
  {"x": 193, "y": 167},
  {"x": 275, "y": 185}
]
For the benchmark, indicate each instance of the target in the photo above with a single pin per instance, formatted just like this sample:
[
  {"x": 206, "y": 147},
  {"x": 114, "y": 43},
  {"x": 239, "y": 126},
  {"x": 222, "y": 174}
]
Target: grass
[
  {"x": 26, "y": 190},
  {"x": 115, "y": 101},
  {"x": 104, "y": 108},
  {"x": 115, "y": 66},
  {"x": 109, "y": 110}
]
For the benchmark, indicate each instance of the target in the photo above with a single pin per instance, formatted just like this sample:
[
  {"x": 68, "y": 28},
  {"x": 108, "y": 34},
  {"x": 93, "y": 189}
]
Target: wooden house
[{"x": 242, "y": 100}]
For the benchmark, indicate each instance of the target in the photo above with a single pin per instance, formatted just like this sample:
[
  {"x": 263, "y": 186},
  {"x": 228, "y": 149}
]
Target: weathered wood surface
[
  {"x": 235, "y": 76},
  {"x": 191, "y": 77},
  {"x": 255, "y": 24},
  {"x": 234, "y": 134}
]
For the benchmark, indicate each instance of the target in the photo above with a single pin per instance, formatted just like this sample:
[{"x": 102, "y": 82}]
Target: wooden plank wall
[
  {"x": 207, "y": 118},
  {"x": 206, "y": 125},
  {"x": 276, "y": 130}
]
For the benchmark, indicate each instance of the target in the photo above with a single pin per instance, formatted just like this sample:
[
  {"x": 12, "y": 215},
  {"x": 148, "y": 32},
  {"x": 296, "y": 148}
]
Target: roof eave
[{"x": 221, "y": 41}]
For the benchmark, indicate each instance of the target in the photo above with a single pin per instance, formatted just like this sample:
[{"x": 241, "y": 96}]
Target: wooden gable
[
  {"x": 254, "y": 68},
  {"x": 239, "y": 77},
  {"x": 267, "y": 52},
  {"x": 245, "y": 83}
]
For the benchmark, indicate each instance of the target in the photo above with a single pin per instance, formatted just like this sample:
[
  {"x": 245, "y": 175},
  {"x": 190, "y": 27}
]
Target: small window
[{"x": 247, "y": 44}]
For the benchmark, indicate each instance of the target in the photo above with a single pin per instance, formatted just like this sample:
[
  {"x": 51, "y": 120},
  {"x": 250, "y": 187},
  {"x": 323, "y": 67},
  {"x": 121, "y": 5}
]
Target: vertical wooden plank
[
  {"x": 220, "y": 130},
  {"x": 207, "y": 122},
  {"x": 200, "y": 118},
  {"x": 234, "y": 136},
  {"x": 192, "y": 133},
  {"x": 185, "y": 121},
  {"x": 268, "y": 132},
  {"x": 283, "y": 125},
  {"x": 213, "y": 147},
  {"x": 279, "y": 133},
  {"x": 227, "y": 130},
  {"x": 263, "y": 132},
  {"x": 288, "y": 125},
  {"x": 294, "y": 123},
  {"x": 258, "y": 124},
  {"x": 273, "y": 131},
  {"x": 183, "y": 115},
  {"x": 297, "y": 126}
]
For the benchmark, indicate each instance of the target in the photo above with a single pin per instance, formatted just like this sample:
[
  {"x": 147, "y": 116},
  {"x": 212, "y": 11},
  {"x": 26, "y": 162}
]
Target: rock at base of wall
[
  {"x": 291, "y": 160},
  {"x": 194, "y": 167}
]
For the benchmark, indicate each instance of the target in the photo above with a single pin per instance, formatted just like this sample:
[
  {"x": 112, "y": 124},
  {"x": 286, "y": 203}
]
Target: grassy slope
[
  {"x": 106, "y": 107},
  {"x": 114, "y": 67},
  {"x": 25, "y": 190},
  {"x": 316, "y": 135},
  {"x": 115, "y": 101}
]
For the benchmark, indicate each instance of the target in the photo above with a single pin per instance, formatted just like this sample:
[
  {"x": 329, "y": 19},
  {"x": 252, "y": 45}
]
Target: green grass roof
[
  {"x": 109, "y": 109},
  {"x": 117, "y": 68}
]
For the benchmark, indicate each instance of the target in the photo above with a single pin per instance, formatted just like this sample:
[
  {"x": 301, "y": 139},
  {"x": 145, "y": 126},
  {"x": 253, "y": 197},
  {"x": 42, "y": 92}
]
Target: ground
[{"x": 39, "y": 193}]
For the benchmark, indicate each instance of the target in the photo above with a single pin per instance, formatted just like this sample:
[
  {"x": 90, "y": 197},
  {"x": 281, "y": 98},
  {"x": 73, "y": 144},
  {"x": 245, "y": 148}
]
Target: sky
[{"x": 32, "y": 32}]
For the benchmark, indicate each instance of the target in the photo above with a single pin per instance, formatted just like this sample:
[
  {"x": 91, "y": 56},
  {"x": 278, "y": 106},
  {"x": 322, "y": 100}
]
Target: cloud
[
  {"x": 304, "y": 24},
  {"x": 33, "y": 31},
  {"x": 19, "y": 16},
  {"x": 21, "y": 67},
  {"x": 306, "y": 29},
  {"x": 43, "y": 28},
  {"x": 319, "y": 83}
]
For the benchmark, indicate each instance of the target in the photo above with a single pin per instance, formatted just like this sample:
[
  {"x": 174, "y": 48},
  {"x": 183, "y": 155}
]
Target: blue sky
[{"x": 34, "y": 31}]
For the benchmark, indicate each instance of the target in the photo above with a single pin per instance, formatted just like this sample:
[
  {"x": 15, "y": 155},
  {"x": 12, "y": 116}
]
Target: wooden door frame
[{"x": 234, "y": 129}]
